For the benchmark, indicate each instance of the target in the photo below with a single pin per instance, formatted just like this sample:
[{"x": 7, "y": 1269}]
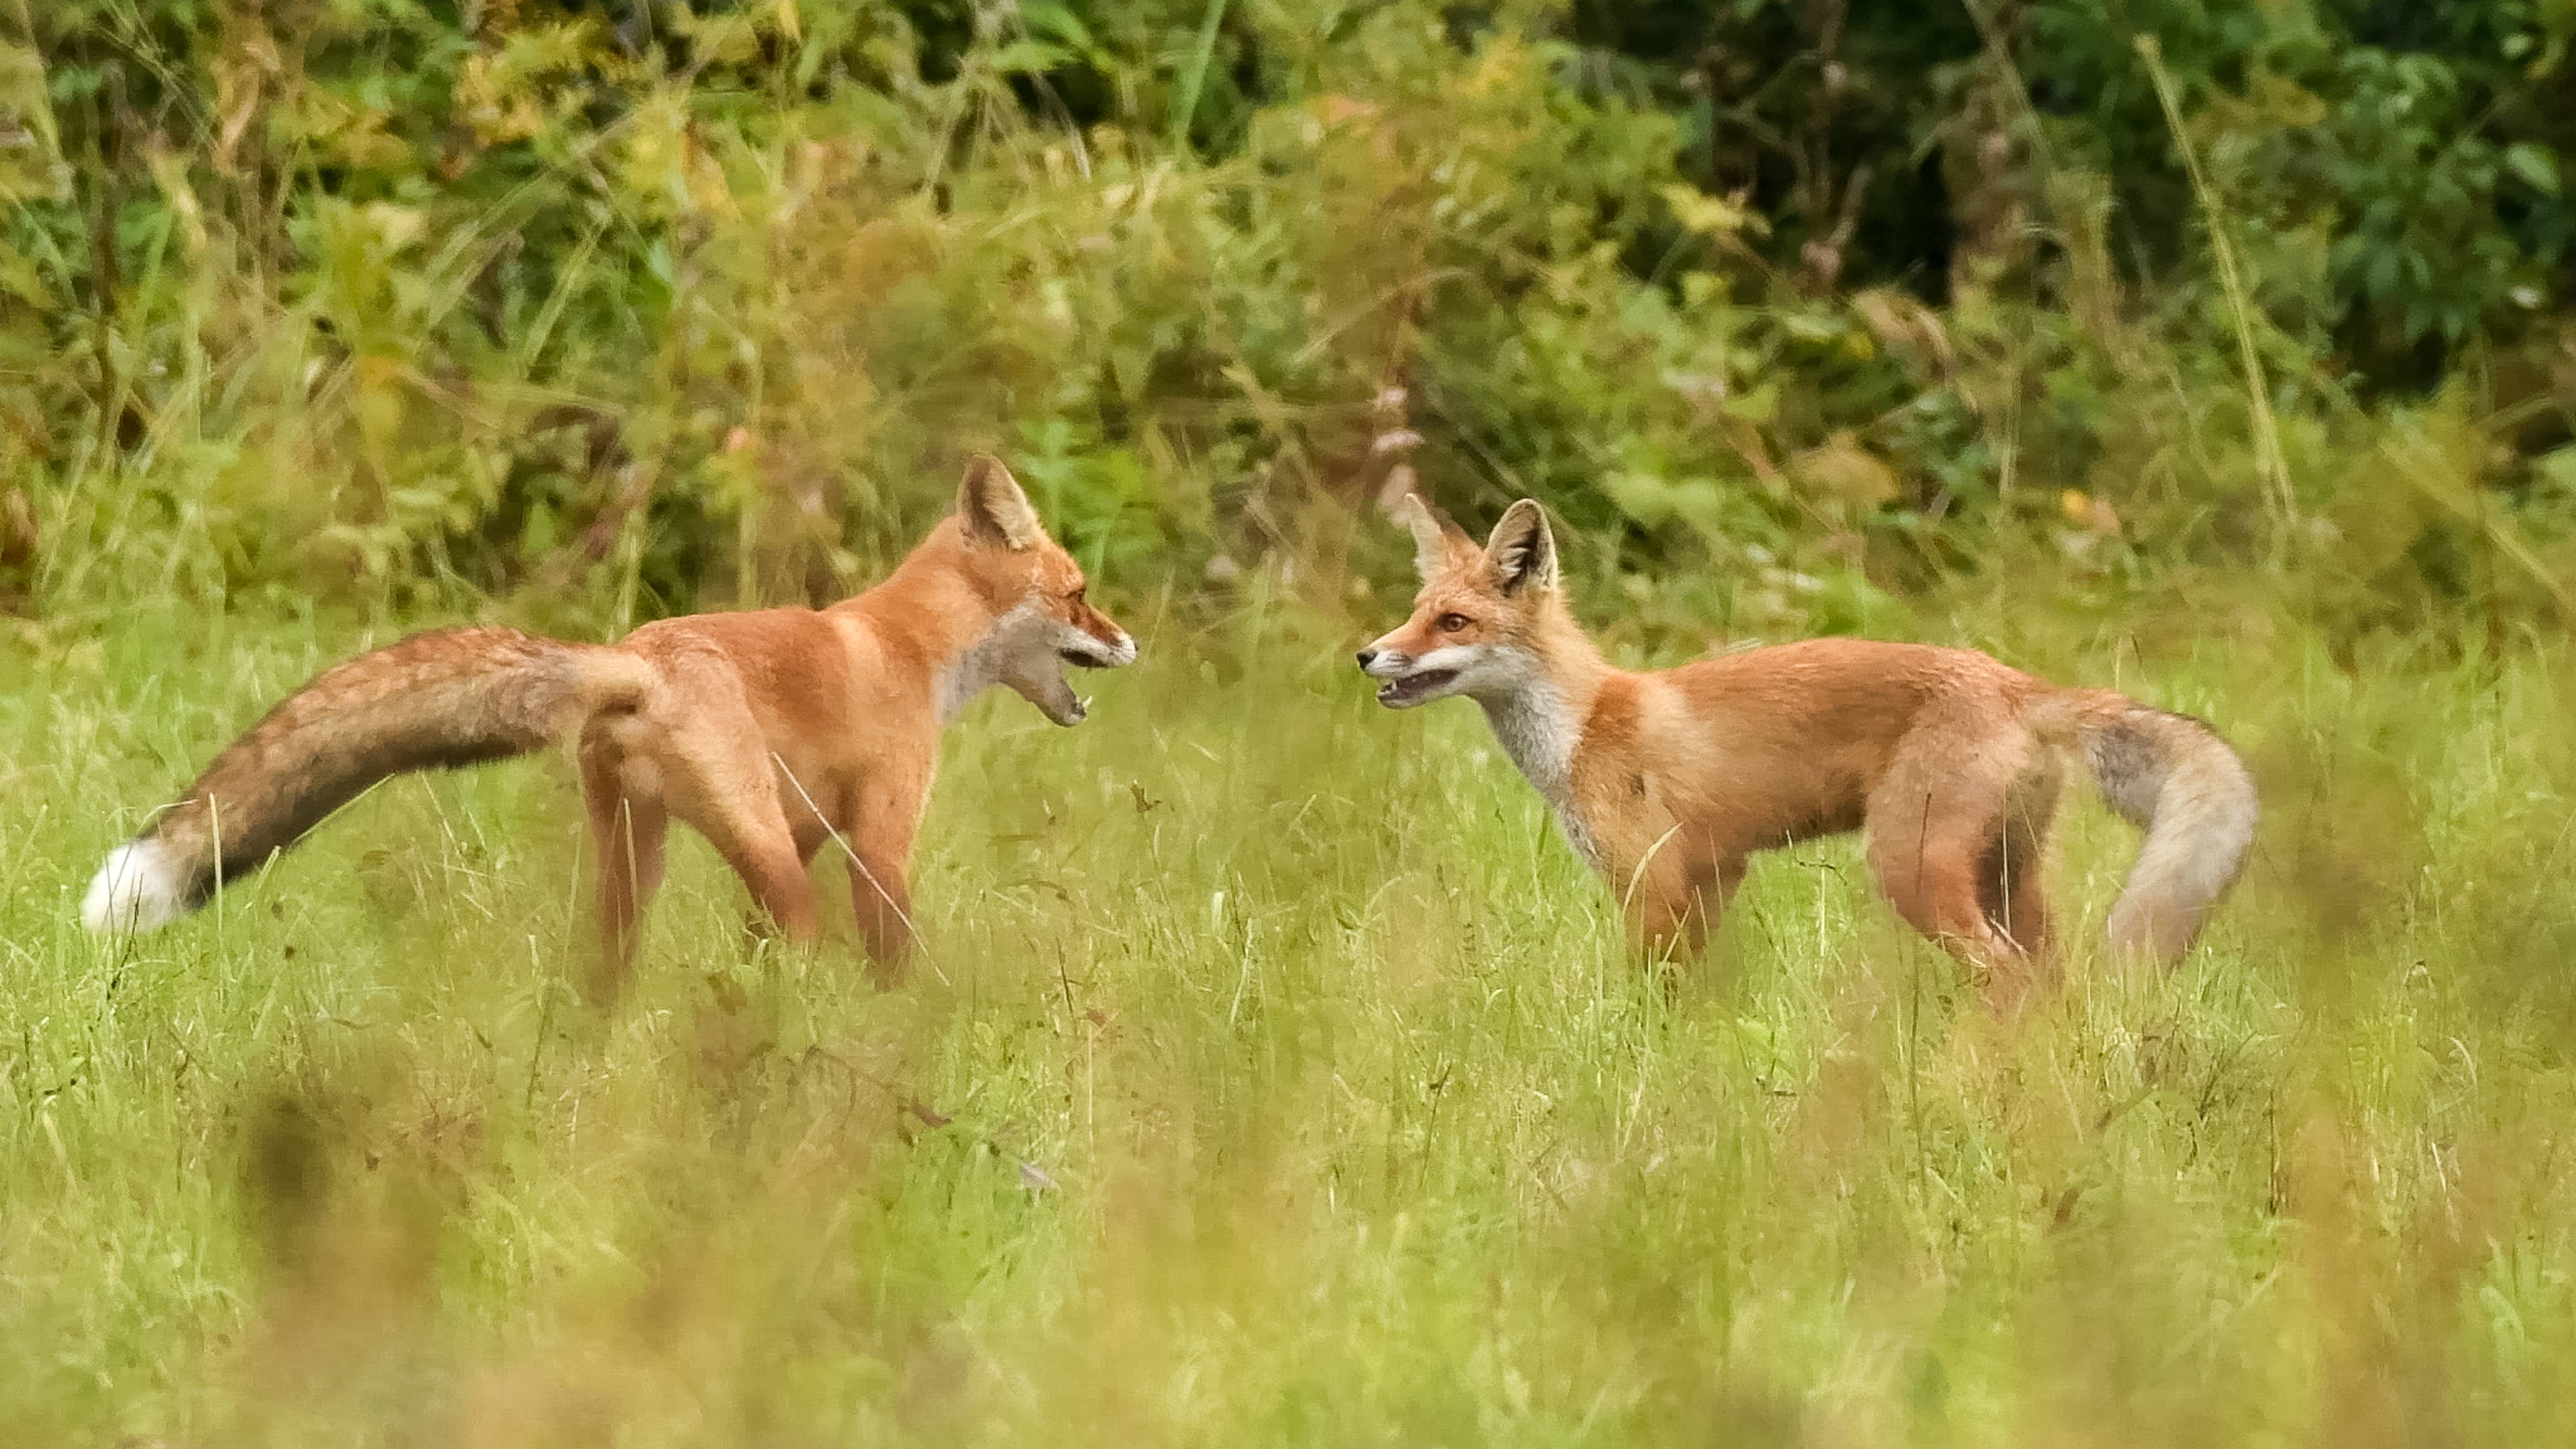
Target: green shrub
[{"x": 1785, "y": 305}]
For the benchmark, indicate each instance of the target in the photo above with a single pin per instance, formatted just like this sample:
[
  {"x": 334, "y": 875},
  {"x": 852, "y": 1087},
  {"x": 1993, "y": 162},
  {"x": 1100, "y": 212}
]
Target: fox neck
[
  {"x": 930, "y": 609},
  {"x": 1537, "y": 715},
  {"x": 977, "y": 668}
]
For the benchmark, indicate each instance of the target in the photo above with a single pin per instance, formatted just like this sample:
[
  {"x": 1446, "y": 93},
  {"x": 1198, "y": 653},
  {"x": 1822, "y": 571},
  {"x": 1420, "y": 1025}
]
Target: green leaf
[
  {"x": 20, "y": 279},
  {"x": 2558, "y": 468},
  {"x": 1028, "y": 57},
  {"x": 2536, "y": 165},
  {"x": 1756, "y": 406},
  {"x": 1057, "y": 22}
]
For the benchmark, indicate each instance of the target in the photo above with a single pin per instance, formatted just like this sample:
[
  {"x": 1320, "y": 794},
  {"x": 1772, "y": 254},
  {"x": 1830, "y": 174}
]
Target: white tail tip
[{"x": 139, "y": 889}]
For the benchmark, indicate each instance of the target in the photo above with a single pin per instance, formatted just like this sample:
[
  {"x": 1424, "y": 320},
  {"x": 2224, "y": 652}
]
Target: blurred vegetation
[
  {"x": 1785, "y": 305},
  {"x": 1274, "y": 1077}
]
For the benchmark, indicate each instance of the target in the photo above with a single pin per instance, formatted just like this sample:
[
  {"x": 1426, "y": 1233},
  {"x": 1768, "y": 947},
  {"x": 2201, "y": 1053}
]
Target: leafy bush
[{"x": 1817, "y": 299}]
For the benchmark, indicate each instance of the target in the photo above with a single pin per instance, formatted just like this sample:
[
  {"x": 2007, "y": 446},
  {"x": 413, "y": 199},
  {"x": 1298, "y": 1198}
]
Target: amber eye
[
  {"x": 1452, "y": 623},
  {"x": 1076, "y": 595}
]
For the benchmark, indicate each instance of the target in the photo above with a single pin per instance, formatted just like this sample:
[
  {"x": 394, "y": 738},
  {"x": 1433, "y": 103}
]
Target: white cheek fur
[
  {"x": 1070, "y": 640},
  {"x": 1461, "y": 657}
]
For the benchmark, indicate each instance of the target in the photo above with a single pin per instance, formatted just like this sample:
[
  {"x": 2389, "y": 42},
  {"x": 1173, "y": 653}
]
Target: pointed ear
[
  {"x": 992, "y": 509},
  {"x": 1435, "y": 538},
  {"x": 1522, "y": 550}
]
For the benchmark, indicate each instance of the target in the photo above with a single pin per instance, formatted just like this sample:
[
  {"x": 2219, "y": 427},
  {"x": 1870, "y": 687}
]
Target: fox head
[
  {"x": 1041, "y": 620},
  {"x": 1479, "y": 625}
]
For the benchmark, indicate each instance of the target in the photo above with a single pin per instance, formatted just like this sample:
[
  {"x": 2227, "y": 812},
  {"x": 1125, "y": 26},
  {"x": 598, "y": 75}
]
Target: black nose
[{"x": 1367, "y": 657}]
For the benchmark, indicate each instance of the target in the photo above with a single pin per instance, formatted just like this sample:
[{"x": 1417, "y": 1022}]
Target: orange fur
[
  {"x": 1948, "y": 760},
  {"x": 767, "y": 731}
]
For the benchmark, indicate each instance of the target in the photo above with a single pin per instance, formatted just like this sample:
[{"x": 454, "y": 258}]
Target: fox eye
[
  {"x": 1452, "y": 623},
  {"x": 1076, "y": 596}
]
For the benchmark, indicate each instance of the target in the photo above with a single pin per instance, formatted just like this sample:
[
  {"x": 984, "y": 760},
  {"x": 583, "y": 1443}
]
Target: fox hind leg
[
  {"x": 762, "y": 850},
  {"x": 717, "y": 775},
  {"x": 810, "y": 834},
  {"x": 1937, "y": 885},
  {"x": 629, "y": 831},
  {"x": 1940, "y": 844},
  {"x": 2015, "y": 890}
]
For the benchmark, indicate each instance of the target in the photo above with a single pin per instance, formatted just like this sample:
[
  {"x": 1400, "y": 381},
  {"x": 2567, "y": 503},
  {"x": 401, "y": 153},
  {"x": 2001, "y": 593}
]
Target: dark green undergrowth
[{"x": 1831, "y": 299}]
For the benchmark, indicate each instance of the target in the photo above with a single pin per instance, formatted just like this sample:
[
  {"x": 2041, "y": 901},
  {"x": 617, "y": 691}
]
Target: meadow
[{"x": 1273, "y": 1074}]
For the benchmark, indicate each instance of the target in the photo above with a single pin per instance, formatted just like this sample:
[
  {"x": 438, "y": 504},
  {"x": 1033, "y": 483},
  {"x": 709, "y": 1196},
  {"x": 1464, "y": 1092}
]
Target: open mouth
[
  {"x": 1414, "y": 688},
  {"x": 1080, "y": 660}
]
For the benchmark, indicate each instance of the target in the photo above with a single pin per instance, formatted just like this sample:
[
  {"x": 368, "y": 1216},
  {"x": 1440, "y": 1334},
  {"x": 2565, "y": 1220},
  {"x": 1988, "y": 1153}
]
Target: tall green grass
[{"x": 1273, "y": 1075}]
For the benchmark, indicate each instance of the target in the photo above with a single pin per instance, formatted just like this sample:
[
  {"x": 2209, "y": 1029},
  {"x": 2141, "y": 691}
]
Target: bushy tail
[
  {"x": 446, "y": 698},
  {"x": 2174, "y": 778}
]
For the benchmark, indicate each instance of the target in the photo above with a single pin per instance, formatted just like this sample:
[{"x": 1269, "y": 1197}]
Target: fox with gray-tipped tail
[
  {"x": 1946, "y": 759},
  {"x": 770, "y": 731}
]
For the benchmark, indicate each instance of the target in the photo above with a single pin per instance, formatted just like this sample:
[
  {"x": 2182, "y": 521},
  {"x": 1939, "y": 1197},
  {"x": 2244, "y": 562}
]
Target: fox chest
[
  {"x": 1540, "y": 736},
  {"x": 1570, "y": 824},
  {"x": 1576, "y": 821}
]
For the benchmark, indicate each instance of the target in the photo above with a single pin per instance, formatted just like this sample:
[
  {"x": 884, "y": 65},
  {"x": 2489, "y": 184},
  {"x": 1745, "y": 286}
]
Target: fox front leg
[
  {"x": 1674, "y": 909},
  {"x": 884, "y": 815}
]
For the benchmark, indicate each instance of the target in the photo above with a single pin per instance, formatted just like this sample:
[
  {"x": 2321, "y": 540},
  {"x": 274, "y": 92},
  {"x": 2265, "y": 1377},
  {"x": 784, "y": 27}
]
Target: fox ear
[
  {"x": 991, "y": 507},
  {"x": 1522, "y": 550},
  {"x": 1435, "y": 538}
]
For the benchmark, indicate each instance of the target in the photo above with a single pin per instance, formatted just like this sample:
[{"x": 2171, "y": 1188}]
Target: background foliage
[{"x": 1817, "y": 299}]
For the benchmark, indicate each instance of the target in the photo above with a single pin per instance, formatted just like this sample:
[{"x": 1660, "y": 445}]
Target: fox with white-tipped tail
[
  {"x": 769, "y": 731},
  {"x": 1947, "y": 760}
]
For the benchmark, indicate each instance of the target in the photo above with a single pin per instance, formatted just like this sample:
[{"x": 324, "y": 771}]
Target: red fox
[
  {"x": 769, "y": 731},
  {"x": 1948, "y": 761}
]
